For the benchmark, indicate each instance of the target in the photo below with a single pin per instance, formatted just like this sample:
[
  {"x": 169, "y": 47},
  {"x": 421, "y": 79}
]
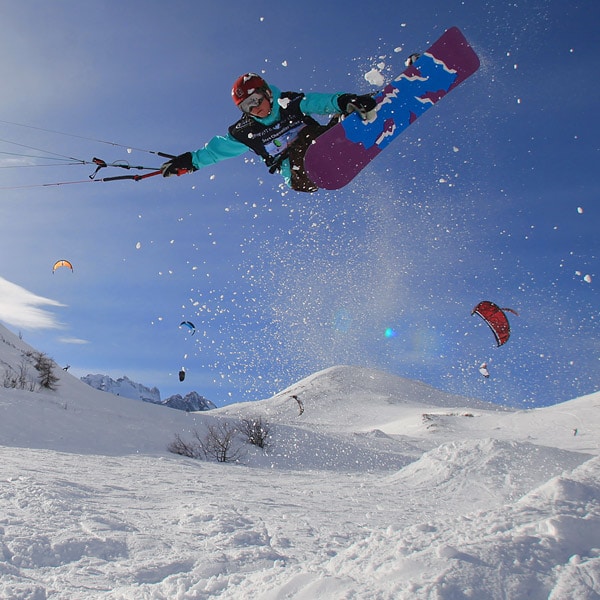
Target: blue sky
[{"x": 493, "y": 195}]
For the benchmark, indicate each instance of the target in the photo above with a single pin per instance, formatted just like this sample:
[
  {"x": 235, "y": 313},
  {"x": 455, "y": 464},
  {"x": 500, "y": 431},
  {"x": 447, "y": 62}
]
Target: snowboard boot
[{"x": 412, "y": 59}]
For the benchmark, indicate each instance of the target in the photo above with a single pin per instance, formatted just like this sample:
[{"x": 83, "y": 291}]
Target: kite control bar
[{"x": 134, "y": 177}]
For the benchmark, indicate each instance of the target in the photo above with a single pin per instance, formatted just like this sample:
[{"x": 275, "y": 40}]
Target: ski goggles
[{"x": 252, "y": 101}]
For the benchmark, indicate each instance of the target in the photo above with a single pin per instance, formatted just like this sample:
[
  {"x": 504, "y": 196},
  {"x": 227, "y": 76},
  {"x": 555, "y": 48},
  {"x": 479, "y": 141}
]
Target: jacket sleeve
[
  {"x": 217, "y": 149},
  {"x": 320, "y": 104}
]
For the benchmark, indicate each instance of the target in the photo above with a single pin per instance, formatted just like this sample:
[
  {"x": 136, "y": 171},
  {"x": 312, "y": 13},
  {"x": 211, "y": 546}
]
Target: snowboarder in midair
[{"x": 276, "y": 125}]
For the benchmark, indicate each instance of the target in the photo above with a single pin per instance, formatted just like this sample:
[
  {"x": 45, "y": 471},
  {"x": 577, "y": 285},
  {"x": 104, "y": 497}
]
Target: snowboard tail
[{"x": 342, "y": 152}]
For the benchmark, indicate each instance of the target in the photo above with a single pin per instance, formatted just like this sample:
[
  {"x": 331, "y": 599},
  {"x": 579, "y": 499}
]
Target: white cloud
[
  {"x": 20, "y": 307},
  {"x": 72, "y": 340}
]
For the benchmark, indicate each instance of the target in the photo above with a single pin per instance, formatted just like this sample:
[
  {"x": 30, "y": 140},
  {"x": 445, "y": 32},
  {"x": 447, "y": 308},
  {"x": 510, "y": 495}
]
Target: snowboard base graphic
[{"x": 342, "y": 152}]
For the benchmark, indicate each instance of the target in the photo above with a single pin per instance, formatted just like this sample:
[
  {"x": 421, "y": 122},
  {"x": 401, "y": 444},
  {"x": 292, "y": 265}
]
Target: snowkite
[
  {"x": 182, "y": 374},
  {"x": 189, "y": 325},
  {"x": 300, "y": 404},
  {"x": 496, "y": 318},
  {"x": 484, "y": 370},
  {"x": 62, "y": 263}
]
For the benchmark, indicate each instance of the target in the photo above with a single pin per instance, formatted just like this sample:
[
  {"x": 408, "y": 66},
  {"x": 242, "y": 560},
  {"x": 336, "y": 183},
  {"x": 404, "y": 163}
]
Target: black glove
[
  {"x": 178, "y": 166},
  {"x": 361, "y": 104}
]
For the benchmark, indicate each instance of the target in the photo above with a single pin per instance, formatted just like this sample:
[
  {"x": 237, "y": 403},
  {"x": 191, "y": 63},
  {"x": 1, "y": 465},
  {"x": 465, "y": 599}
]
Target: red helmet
[{"x": 245, "y": 85}]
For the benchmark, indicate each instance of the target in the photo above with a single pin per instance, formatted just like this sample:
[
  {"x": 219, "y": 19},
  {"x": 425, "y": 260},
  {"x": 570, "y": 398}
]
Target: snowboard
[{"x": 344, "y": 150}]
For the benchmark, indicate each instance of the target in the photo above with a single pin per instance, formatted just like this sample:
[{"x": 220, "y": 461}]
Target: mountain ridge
[{"x": 124, "y": 386}]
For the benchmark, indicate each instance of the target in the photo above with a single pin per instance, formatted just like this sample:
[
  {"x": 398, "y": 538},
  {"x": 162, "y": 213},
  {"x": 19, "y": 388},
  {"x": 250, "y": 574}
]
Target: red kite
[{"x": 497, "y": 320}]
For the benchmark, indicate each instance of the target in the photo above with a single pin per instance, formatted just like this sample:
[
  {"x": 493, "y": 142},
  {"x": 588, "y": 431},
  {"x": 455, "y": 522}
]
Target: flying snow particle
[
  {"x": 138, "y": 245},
  {"x": 455, "y": 149},
  {"x": 587, "y": 278},
  {"x": 129, "y": 150},
  {"x": 580, "y": 210},
  {"x": 284, "y": 63},
  {"x": 374, "y": 77}
]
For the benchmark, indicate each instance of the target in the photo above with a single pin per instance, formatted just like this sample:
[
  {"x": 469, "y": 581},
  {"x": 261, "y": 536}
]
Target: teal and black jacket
[{"x": 268, "y": 137}]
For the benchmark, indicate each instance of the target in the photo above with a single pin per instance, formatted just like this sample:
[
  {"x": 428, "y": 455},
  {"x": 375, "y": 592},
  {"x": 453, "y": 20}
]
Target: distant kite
[
  {"x": 62, "y": 263},
  {"x": 182, "y": 374},
  {"x": 497, "y": 320},
  {"x": 300, "y": 404},
  {"x": 189, "y": 325},
  {"x": 484, "y": 370}
]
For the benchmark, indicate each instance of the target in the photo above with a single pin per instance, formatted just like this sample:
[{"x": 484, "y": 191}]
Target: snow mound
[
  {"x": 485, "y": 470},
  {"x": 544, "y": 546}
]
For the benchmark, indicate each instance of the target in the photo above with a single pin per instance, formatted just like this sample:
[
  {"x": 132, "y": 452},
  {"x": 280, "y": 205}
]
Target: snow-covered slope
[
  {"x": 350, "y": 398},
  {"x": 75, "y": 417},
  {"x": 381, "y": 488}
]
